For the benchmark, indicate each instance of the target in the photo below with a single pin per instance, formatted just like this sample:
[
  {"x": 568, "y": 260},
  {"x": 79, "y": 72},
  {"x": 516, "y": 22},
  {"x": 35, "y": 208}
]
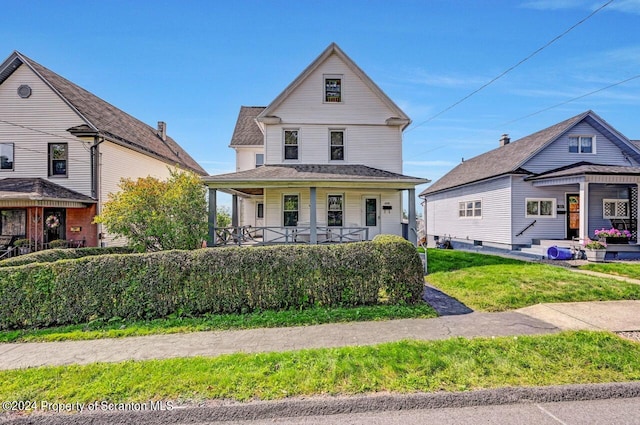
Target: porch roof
[
  {"x": 588, "y": 172},
  {"x": 39, "y": 192},
  {"x": 318, "y": 175}
]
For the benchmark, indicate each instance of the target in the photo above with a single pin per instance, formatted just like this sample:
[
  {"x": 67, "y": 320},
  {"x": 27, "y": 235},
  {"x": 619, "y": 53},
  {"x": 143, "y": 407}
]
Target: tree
[
  {"x": 156, "y": 215},
  {"x": 223, "y": 216}
]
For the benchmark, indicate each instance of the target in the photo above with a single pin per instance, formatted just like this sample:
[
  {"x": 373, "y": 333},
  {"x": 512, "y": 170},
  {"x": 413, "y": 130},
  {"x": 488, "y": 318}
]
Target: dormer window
[
  {"x": 581, "y": 144},
  {"x": 333, "y": 88}
]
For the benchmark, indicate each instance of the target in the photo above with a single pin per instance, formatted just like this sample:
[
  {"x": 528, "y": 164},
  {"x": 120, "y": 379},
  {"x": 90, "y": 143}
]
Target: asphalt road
[{"x": 615, "y": 403}]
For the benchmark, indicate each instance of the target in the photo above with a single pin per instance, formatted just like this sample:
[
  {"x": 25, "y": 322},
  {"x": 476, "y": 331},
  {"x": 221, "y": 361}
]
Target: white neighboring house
[
  {"x": 322, "y": 162},
  {"x": 63, "y": 150}
]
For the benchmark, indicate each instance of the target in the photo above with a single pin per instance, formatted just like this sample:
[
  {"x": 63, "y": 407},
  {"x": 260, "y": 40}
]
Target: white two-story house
[
  {"x": 322, "y": 162},
  {"x": 63, "y": 150}
]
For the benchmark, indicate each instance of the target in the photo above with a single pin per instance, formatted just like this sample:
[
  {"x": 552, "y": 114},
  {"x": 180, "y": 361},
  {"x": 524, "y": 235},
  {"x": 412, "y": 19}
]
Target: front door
[
  {"x": 573, "y": 216},
  {"x": 371, "y": 219},
  {"x": 54, "y": 224}
]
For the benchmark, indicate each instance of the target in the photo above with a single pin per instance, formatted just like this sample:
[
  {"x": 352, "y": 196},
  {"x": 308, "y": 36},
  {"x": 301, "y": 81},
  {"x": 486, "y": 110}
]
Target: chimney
[
  {"x": 504, "y": 140},
  {"x": 162, "y": 130}
]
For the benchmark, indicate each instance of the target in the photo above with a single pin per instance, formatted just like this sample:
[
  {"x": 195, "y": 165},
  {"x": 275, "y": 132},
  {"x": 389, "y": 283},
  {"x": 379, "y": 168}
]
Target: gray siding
[
  {"x": 493, "y": 227},
  {"x": 557, "y": 154},
  {"x": 545, "y": 227}
]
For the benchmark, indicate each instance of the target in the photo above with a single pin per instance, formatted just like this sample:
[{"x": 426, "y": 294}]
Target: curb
[{"x": 322, "y": 406}]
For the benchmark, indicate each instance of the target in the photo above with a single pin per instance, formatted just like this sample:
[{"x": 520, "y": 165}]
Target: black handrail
[{"x": 526, "y": 228}]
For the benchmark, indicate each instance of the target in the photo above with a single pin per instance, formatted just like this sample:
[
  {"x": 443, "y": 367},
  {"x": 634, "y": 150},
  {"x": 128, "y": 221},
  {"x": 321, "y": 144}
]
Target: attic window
[
  {"x": 24, "y": 91},
  {"x": 581, "y": 144},
  {"x": 333, "y": 88}
]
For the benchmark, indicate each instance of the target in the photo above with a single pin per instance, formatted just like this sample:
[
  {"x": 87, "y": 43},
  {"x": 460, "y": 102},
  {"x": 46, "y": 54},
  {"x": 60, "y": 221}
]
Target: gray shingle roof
[
  {"x": 38, "y": 189},
  {"x": 113, "y": 123},
  {"x": 503, "y": 160},
  {"x": 247, "y": 132},
  {"x": 311, "y": 172}
]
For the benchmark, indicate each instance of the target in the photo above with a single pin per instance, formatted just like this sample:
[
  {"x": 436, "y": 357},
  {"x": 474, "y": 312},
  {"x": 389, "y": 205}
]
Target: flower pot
[
  {"x": 595, "y": 255},
  {"x": 613, "y": 240}
]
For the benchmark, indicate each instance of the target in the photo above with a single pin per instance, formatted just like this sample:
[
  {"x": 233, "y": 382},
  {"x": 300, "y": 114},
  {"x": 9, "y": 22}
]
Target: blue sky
[{"x": 194, "y": 63}]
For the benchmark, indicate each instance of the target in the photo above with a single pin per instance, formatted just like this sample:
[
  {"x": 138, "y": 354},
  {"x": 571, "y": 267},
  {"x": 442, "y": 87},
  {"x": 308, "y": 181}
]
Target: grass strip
[
  {"x": 314, "y": 316},
  {"x": 408, "y": 366},
  {"x": 505, "y": 286},
  {"x": 618, "y": 269}
]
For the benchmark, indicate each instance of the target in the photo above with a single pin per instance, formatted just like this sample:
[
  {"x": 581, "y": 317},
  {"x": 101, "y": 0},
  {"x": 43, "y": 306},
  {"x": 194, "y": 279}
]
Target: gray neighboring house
[{"x": 560, "y": 183}]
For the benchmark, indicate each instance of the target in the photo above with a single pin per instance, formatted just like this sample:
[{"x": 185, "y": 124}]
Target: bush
[
  {"x": 219, "y": 280},
  {"x": 51, "y": 255}
]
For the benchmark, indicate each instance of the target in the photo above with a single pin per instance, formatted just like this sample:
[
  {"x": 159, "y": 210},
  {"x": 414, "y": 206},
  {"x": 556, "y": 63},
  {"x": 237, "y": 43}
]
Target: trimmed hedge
[
  {"x": 218, "y": 280},
  {"x": 51, "y": 255}
]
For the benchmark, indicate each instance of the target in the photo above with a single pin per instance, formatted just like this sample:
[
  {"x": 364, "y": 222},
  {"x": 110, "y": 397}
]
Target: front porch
[{"x": 311, "y": 204}]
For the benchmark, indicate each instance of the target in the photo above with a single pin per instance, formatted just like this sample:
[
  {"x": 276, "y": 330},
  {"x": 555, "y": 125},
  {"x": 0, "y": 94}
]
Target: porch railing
[{"x": 262, "y": 235}]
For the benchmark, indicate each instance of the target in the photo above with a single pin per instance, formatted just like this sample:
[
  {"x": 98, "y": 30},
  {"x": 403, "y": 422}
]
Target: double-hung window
[
  {"x": 6, "y": 156},
  {"x": 333, "y": 88},
  {"x": 541, "y": 208},
  {"x": 470, "y": 209},
  {"x": 291, "y": 144},
  {"x": 335, "y": 208},
  {"x": 58, "y": 158},
  {"x": 615, "y": 208},
  {"x": 336, "y": 145},
  {"x": 290, "y": 210},
  {"x": 581, "y": 144}
]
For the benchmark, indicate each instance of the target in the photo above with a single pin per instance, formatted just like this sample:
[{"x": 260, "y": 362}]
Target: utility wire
[
  {"x": 511, "y": 68},
  {"x": 571, "y": 100}
]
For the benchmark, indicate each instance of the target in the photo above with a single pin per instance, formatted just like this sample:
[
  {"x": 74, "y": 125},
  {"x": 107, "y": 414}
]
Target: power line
[
  {"x": 572, "y": 100},
  {"x": 511, "y": 68}
]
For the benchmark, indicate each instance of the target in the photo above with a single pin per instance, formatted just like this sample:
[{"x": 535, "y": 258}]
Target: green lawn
[
  {"x": 618, "y": 269},
  {"x": 271, "y": 319},
  {"x": 409, "y": 366},
  {"x": 491, "y": 283}
]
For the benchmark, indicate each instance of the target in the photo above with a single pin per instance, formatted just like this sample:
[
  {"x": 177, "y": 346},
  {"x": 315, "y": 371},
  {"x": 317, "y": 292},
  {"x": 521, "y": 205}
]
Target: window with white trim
[
  {"x": 336, "y": 145},
  {"x": 470, "y": 209},
  {"x": 58, "y": 155},
  {"x": 541, "y": 208},
  {"x": 615, "y": 208},
  {"x": 333, "y": 88},
  {"x": 260, "y": 210},
  {"x": 335, "y": 207},
  {"x": 581, "y": 144},
  {"x": 259, "y": 160},
  {"x": 290, "y": 210},
  {"x": 290, "y": 144},
  {"x": 6, "y": 156}
]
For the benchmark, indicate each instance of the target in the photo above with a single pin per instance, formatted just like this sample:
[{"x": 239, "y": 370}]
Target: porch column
[
  {"x": 412, "y": 231},
  {"x": 213, "y": 218},
  {"x": 584, "y": 211},
  {"x": 234, "y": 210},
  {"x": 313, "y": 221}
]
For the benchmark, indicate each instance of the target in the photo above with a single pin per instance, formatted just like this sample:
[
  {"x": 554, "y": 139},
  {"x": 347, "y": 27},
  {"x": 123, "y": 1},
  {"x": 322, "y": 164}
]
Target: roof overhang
[{"x": 37, "y": 192}]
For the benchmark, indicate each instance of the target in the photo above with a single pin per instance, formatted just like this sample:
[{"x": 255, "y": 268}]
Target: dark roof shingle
[
  {"x": 115, "y": 124},
  {"x": 37, "y": 188},
  {"x": 503, "y": 160},
  {"x": 247, "y": 132}
]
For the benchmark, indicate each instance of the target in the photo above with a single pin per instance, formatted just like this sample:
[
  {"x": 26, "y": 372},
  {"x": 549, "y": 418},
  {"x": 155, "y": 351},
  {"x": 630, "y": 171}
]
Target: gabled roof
[
  {"x": 247, "y": 132},
  {"x": 37, "y": 189},
  {"x": 105, "y": 119},
  {"x": 333, "y": 49},
  {"x": 509, "y": 159}
]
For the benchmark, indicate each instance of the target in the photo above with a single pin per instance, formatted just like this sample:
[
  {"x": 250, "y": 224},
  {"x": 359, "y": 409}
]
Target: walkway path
[{"x": 541, "y": 319}]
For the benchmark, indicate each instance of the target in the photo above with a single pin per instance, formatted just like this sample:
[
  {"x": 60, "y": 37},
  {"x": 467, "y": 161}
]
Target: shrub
[
  {"x": 51, "y": 255},
  {"x": 219, "y": 280}
]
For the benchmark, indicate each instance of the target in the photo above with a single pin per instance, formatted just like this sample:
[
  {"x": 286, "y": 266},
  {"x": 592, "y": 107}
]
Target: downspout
[{"x": 95, "y": 177}]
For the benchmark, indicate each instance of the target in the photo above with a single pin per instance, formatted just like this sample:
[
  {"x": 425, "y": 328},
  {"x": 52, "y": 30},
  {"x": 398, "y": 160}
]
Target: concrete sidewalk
[{"x": 540, "y": 319}]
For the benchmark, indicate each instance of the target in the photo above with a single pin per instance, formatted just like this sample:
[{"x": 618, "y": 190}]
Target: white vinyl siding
[
  {"x": 246, "y": 157},
  {"x": 118, "y": 162},
  {"x": 32, "y": 123}
]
